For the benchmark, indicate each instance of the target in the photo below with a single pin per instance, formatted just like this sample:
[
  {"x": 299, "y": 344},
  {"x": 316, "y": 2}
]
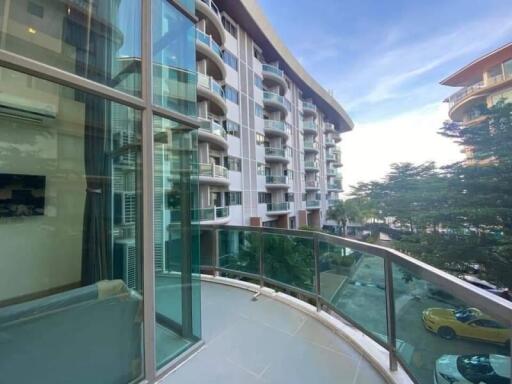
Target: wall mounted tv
[{"x": 21, "y": 195}]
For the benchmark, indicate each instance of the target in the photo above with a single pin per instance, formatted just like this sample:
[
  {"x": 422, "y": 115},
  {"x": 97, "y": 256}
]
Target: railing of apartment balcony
[
  {"x": 308, "y": 106},
  {"x": 202, "y": 214},
  {"x": 213, "y": 7},
  {"x": 277, "y": 125},
  {"x": 336, "y": 186},
  {"x": 309, "y": 125},
  {"x": 311, "y": 164},
  {"x": 331, "y": 172},
  {"x": 213, "y": 170},
  {"x": 310, "y": 145},
  {"x": 337, "y": 137},
  {"x": 390, "y": 297},
  {"x": 213, "y": 127},
  {"x": 208, "y": 40},
  {"x": 312, "y": 184},
  {"x": 221, "y": 212},
  {"x": 278, "y": 207},
  {"x": 209, "y": 83},
  {"x": 270, "y": 151},
  {"x": 273, "y": 69},
  {"x": 330, "y": 156},
  {"x": 271, "y": 96},
  {"x": 329, "y": 141},
  {"x": 312, "y": 203},
  {"x": 276, "y": 179},
  {"x": 329, "y": 127},
  {"x": 331, "y": 202}
]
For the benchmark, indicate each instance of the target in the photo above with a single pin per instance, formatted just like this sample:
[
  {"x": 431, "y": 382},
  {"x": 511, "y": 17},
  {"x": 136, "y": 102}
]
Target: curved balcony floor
[
  {"x": 267, "y": 341},
  {"x": 270, "y": 79},
  {"x": 218, "y": 70},
  {"x": 218, "y": 105},
  {"x": 213, "y": 21}
]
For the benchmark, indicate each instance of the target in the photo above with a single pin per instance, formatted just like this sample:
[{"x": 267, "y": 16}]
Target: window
[
  {"x": 35, "y": 9},
  {"x": 234, "y": 164},
  {"x": 289, "y": 197},
  {"x": 287, "y": 104},
  {"x": 261, "y": 169},
  {"x": 258, "y": 110},
  {"x": 304, "y": 196},
  {"x": 289, "y": 152},
  {"x": 289, "y": 173},
  {"x": 264, "y": 198},
  {"x": 230, "y": 27},
  {"x": 260, "y": 139},
  {"x": 230, "y": 59},
  {"x": 231, "y": 94},
  {"x": 258, "y": 82},
  {"x": 232, "y": 128},
  {"x": 233, "y": 198},
  {"x": 258, "y": 54}
]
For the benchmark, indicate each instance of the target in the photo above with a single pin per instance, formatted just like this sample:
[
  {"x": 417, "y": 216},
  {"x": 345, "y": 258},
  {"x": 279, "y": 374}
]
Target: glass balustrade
[
  {"x": 209, "y": 83},
  {"x": 277, "y": 180},
  {"x": 277, "y": 125},
  {"x": 310, "y": 145},
  {"x": 312, "y": 203},
  {"x": 306, "y": 105},
  {"x": 273, "y": 69},
  {"x": 311, "y": 164},
  {"x": 309, "y": 126},
  {"x": 273, "y": 97},
  {"x": 433, "y": 324},
  {"x": 213, "y": 127},
  {"x": 213, "y": 7},
  {"x": 212, "y": 170},
  {"x": 208, "y": 40},
  {"x": 278, "y": 152},
  {"x": 277, "y": 207}
]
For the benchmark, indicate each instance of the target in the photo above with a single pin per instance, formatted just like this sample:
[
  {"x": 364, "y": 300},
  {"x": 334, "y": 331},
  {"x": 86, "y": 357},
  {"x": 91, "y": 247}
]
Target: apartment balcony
[
  {"x": 331, "y": 172},
  {"x": 278, "y": 209},
  {"x": 329, "y": 128},
  {"x": 212, "y": 132},
  {"x": 312, "y": 185},
  {"x": 213, "y": 174},
  {"x": 272, "y": 76},
  {"x": 329, "y": 157},
  {"x": 309, "y": 109},
  {"x": 310, "y": 146},
  {"x": 337, "y": 137},
  {"x": 310, "y": 127},
  {"x": 311, "y": 166},
  {"x": 207, "y": 10},
  {"x": 207, "y": 48},
  {"x": 334, "y": 187},
  {"x": 465, "y": 98},
  {"x": 277, "y": 128},
  {"x": 277, "y": 182},
  {"x": 211, "y": 90},
  {"x": 329, "y": 142},
  {"x": 332, "y": 202},
  {"x": 210, "y": 215},
  {"x": 285, "y": 328},
  {"x": 312, "y": 204},
  {"x": 276, "y": 155},
  {"x": 274, "y": 102}
]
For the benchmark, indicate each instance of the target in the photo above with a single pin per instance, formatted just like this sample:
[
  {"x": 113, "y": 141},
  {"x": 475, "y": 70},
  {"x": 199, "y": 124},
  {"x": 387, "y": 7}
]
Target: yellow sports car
[{"x": 469, "y": 323}]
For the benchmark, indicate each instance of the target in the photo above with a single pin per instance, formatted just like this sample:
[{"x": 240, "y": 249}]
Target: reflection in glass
[
  {"x": 99, "y": 40},
  {"x": 239, "y": 250},
  {"x": 176, "y": 239},
  {"x": 70, "y": 282}
]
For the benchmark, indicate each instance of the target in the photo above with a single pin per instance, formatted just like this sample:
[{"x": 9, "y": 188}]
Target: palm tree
[{"x": 338, "y": 214}]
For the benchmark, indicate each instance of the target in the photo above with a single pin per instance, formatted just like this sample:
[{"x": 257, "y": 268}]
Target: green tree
[{"x": 338, "y": 214}]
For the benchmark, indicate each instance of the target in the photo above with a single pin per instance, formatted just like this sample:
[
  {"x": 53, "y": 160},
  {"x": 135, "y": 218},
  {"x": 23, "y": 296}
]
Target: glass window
[
  {"x": 231, "y": 94},
  {"x": 174, "y": 59},
  {"x": 100, "y": 41},
  {"x": 258, "y": 110},
  {"x": 264, "y": 198},
  {"x": 258, "y": 82},
  {"x": 177, "y": 295},
  {"x": 289, "y": 197},
  {"x": 260, "y": 139},
  {"x": 232, "y": 128},
  {"x": 70, "y": 222},
  {"x": 233, "y": 198},
  {"x": 261, "y": 169},
  {"x": 230, "y": 59},
  {"x": 507, "y": 67},
  {"x": 230, "y": 27},
  {"x": 234, "y": 164}
]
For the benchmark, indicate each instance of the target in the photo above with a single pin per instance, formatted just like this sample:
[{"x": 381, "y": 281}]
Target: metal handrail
[
  {"x": 494, "y": 306},
  {"x": 208, "y": 40}
]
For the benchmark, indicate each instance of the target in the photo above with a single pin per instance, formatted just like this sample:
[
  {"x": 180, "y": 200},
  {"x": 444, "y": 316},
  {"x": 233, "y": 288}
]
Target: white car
[{"x": 472, "y": 369}]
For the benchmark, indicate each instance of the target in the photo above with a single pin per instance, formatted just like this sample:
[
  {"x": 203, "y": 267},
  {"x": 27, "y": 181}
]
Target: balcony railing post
[
  {"x": 261, "y": 266},
  {"x": 390, "y": 314},
  {"x": 316, "y": 254},
  {"x": 215, "y": 252}
]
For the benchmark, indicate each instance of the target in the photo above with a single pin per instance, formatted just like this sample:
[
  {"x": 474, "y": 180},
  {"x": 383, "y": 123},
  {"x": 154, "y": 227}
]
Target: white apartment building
[{"x": 268, "y": 148}]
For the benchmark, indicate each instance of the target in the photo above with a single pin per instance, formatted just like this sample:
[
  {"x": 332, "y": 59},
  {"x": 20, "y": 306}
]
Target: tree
[{"x": 338, "y": 214}]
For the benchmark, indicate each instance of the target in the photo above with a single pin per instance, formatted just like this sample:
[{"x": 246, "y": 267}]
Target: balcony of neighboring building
[
  {"x": 312, "y": 185},
  {"x": 274, "y": 102},
  {"x": 336, "y": 136},
  {"x": 329, "y": 142},
  {"x": 213, "y": 174},
  {"x": 329, "y": 128},
  {"x": 334, "y": 186},
  {"x": 212, "y": 132},
  {"x": 311, "y": 166},
  {"x": 208, "y": 49},
  {"x": 273, "y": 76},
  {"x": 210, "y": 90},
  {"x": 276, "y": 182},
  {"x": 310, "y": 127},
  {"x": 313, "y": 204},
  {"x": 310, "y": 146},
  {"x": 276, "y": 154},
  {"x": 277, "y": 128},
  {"x": 208, "y": 13},
  {"x": 205, "y": 216},
  {"x": 309, "y": 109},
  {"x": 281, "y": 208}
]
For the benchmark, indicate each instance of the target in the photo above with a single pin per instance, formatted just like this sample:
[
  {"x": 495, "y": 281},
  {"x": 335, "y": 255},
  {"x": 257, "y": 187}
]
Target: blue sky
[{"x": 384, "y": 59}]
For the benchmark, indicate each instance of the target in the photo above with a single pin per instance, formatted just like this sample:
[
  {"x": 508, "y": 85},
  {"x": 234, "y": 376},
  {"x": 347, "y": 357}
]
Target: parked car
[
  {"x": 502, "y": 292},
  {"x": 469, "y": 369},
  {"x": 468, "y": 323}
]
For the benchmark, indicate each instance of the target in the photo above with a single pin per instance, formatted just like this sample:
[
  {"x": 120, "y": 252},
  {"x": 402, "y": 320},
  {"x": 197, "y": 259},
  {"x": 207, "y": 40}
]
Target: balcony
[
  {"x": 310, "y": 165},
  {"x": 213, "y": 174},
  {"x": 330, "y": 157},
  {"x": 276, "y": 155},
  {"x": 334, "y": 187},
  {"x": 312, "y": 185},
  {"x": 331, "y": 172},
  {"x": 310, "y": 126},
  {"x": 332, "y": 202},
  {"x": 277, "y": 182},
  {"x": 274, "y": 102},
  {"x": 212, "y": 132},
  {"x": 211, "y": 215},
  {"x": 309, "y": 109},
  {"x": 329, "y": 142},
  {"x": 277, "y": 128},
  {"x": 312, "y": 204},
  {"x": 329, "y": 128},
  {"x": 209, "y": 89},
  {"x": 208, "y": 11},
  {"x": 278, "y": 208},
  {"x": 378, "y": 299},
  {"x": 208, "y": 49},
  {"x": 337, "y": 137},
  {"x": 272, "y": 75},
  {"x": 310, "y": 146}
]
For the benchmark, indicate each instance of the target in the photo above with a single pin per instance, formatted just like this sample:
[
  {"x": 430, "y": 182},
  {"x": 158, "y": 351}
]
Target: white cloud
[{"x": 370, "y": 149}]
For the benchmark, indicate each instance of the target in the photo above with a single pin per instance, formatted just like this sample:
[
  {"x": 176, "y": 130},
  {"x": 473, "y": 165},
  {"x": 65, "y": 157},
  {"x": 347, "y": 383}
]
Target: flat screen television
[{"x": 21, "y": 195}]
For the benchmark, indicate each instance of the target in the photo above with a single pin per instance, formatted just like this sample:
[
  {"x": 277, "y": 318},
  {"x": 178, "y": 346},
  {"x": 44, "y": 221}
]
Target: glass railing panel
[
  {"x": 220, "y": 171},
  {"x": 213, "y": 6},
  {"x": 272, "y": 69},
  {"x": 205, "y": 214},
  {"x": 273, "y": 97},
  {"x": 276, "y": 125},
  {"x": 202, "y": 37},
  {"x": 308, "y": 105},
  {"x": 312, "y": 203},
  {"x": 309, "y": 125},
  {"x": 277, "y": 180},
  {"x": 276, "y": 207},
  {"x": 221, "y": 212},
  {"x": 217, "y": 88},
  {"x": 441, "y": 336},
  {"x": 239, "y": 250},
  {"x": 274, "y": 152},
  {"x": 205, "y": 170},
  {"x": 289, "y": 260},
  {"x": 353, "y": 283},
  {"x": 311, "y": 164}
]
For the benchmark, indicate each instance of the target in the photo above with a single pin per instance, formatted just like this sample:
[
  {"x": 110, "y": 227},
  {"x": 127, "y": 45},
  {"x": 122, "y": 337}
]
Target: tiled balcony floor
[{"x": 266, "y": 341}]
